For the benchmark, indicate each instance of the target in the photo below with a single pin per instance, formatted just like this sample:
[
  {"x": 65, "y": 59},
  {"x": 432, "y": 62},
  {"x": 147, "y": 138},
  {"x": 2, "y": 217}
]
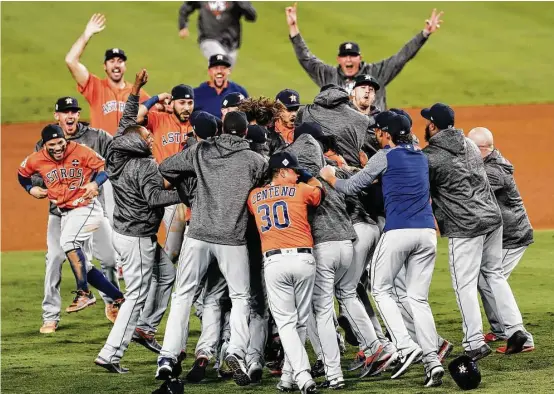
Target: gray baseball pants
[
  {"x": 214, "y": 47},
  {"x": 175, "y": 225},
  {"x": 194, "y": 260},
  {"x": 468, "y": 259}
]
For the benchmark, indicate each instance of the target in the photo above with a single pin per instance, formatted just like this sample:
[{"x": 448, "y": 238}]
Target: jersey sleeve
[
  {"x": 93, "y": 159},
  {"x": 91, "y": 90},
  {"x": 311, "y": 194},
  {"x": 27, "y": 167}
]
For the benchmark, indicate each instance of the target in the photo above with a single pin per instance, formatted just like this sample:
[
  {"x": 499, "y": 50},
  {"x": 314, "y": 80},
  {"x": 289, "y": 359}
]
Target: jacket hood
[
  {"x": 81, "y": 129},
  {"x": 332, "y": 97},
  {"x": 451, "y": 140},
  {"x": 309, "y": 153},
  {"x": 123, "y": 149},
  {"x": 227, "y": 144},
  {"x": 497, "y": 158}
]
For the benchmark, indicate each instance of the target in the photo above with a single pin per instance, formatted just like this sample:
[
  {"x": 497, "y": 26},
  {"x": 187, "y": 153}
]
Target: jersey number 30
[{"x": 275, "y": 215}]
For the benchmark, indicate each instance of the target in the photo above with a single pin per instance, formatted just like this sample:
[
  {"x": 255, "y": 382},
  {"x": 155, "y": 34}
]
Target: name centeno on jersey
[{"x": 274, "y": 191}]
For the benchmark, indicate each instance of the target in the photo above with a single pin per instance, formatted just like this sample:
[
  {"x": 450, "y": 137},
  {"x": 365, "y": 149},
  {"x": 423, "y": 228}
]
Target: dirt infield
[{"x": 524, "y": 134}]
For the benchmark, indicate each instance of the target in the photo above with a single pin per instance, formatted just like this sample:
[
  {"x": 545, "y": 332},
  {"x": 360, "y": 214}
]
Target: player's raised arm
[
  {"x": 186, "y": 9},
  {"x": 73, "y": 58}
]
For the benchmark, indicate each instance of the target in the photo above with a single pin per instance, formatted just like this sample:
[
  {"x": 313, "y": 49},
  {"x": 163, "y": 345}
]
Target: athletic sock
[{"x": 99, "y": 281}]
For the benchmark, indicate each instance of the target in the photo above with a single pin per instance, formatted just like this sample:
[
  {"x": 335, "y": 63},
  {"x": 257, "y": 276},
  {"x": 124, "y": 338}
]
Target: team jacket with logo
[
  {"x": 64, "y": 178},
  {"x": 170, "y": 135}
]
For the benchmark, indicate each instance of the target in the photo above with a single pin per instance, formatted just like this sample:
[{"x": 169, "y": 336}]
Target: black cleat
[
  {"x": 147, "y": 340},
  {"x": 165, "y": 369},
  {"x": 111, "y": 367},
  {"x": 318, "y": 369},
  {"x": 478, "y": 354},
  {"x": 240, "y": 374},
  {"x": 516, "y": 342},
  {"x": 198, "y": 371},
  {"x": 434, "y": 377}
]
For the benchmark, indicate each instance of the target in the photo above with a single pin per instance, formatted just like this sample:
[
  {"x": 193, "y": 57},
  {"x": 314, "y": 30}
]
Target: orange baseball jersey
[
  {"x": 64, "y": 178},
  {"x": 281, "y": 213},
  {"x": 106, "y": 104},
  {"x": 169, "y": 134}
]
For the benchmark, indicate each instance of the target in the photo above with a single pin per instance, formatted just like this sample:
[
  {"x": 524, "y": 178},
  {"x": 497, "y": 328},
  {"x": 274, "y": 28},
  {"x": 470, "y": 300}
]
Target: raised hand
[
  {"x": 433, "y": 23},
  {"x": 140, "y": 80},
  {"x": 96, "y": 24},
  {"x": 291, "y": 15}
]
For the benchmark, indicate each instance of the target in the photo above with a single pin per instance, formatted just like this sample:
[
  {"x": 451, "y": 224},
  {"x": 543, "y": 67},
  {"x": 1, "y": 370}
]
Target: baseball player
[
  {"x": 67, "y": 114},
  {"x": 219, "y": 26},
  {"x": 217, "y": 232},
  {"x": 72, "y": 173},
  {"x": 409, "y": 240},
  {"x": 282, "y": 133},
  {"x": 281, "y": 212},
  {"x": 350, "y": 62},
  {"x": 517, "y": 233},
  {"x": 363, "y": 94},
  {"x": 468, "y": 215},
  {"x": 209, "y": 95},
  {"x": 169, "y": 131},
  {"x": 140, "y": 196}
]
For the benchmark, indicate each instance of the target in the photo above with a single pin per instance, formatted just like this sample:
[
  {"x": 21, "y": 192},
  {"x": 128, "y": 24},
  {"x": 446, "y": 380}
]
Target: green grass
[
  {"x": 63, "y": 362},
  {"x": 485, "y": 53}
]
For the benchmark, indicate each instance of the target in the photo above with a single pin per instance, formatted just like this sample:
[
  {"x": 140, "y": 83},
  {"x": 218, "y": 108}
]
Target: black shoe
[
  {"x": 165, "y": 368},
  {"x": 516, "y": 342},
  {"x": 405, "y": 360},
  {"x": 172, "y": 386},
  {"x": 309, "y": 388},
  {"x": 147, "y": 340},
  {"x": 478, "y": 354},
  {"x": 434, "y": 377},
  {"x": 255, "y": 372},
  {"x": 240, "y": 374},
  {"x": 111, "y": 367},
  {"x": 198, "y": 371},
  {"x": 318, "y": 369}
]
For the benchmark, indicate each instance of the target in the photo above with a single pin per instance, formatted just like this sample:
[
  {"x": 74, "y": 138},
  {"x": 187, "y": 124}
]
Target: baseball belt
[{"x": 287, "y": 251}]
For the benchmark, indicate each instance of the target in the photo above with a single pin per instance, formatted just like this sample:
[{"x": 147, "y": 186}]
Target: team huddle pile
[{"x": 272, "y": 209}]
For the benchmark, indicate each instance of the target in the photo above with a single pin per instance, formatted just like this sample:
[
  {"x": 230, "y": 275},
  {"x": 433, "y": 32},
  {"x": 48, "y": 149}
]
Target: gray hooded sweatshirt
[
  {"x": 138, "y": 187},
  {"x": 463, "y": 202},
  {"x": 332, "y": 111},
  {"x": 331, "y": 221},
  {"x": 226, "y": 171},
  {"x": 517, "y": 231}
]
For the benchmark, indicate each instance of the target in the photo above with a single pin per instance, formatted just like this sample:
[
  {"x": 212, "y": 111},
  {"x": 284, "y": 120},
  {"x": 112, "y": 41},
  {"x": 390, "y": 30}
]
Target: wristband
[
  {"x": 151, "y": 102},
  {"x": 100, "y": 178},
  {"x": 304, "y": 176}
]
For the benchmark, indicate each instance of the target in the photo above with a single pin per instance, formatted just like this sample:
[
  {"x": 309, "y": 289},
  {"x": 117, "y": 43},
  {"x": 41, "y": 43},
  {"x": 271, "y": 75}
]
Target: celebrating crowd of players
[{"x": 271, "y": 210}]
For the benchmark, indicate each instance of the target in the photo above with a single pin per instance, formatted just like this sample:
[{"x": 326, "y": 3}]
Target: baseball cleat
[
  {"x": 165, "y": 368},
  {"x": 49, "y": 327},
  {"x": 434, "y": 377},
  {"x": 255, "y": 373},
  {"x": 516, "y": 342},
  {"x": 318, "y": 369},
  {"x": 147, "y": 340},
  {"x": 502, "y": 349},
  {"x": 240, "y": 374},
  {"x": 384, "y": 362},
  {"x": 492, "y": 337},
  {"x": 81, "y": 301},
  {"x": 309, "y": 388},
  {"x": 369, "y": 361},
  {"x": 478, "y": 354},
  {"x": 334, "y": 384},
  {"x": 198, "y": 371},
  {"x": 286, "y": 387},
  {"x": 405, "y": 360},
  {"x": 445, "y": 350},
  {"x": 111, "y": 367},
  {"x": 112, "y": 309},
  {"x": 358, "y": 362}
]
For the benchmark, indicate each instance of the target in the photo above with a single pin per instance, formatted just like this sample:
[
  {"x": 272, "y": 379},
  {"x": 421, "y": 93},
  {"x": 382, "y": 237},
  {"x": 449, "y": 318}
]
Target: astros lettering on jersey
[
  {"x": 64, "y": 178},
  {"x": 169, "y": 134}
]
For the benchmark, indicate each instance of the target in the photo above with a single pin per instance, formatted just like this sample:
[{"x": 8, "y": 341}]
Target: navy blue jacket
[{"x": 207, "y": 99}]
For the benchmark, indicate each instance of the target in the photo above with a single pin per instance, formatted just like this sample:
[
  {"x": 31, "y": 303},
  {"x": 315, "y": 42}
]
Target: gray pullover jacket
[
  {"x": 96, "y": 139},
  {"x": 463, "y": 202},
  {"x": 226, "y": 171},
  {"x": 517, "y": 231},
  {"x": 138, "y": 187},
  {"x": 332, "y": 111},
  {"x": 384, "y": 71},
  {"x": 219, "y": 20},
  {"x": 331, "y": 221}
]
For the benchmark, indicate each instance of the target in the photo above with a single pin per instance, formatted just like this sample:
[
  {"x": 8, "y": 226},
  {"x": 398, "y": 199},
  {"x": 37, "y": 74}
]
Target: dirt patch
[{"x": 524, "y": 135}]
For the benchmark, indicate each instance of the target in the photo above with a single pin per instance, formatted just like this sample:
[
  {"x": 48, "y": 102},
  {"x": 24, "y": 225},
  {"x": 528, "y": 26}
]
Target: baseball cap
[
  {"x": 289, "y": 98},
  {"x": 402, "y": 112},
  {"x": 311, "y": 128},
  {"x": 235, "y": 123},
  {"x": 232, "y": 100},
  {"x": 114, "y": 52},
  {"x": 182, "y": 92},
  {"x": 284, "y": 159},
  {"x": 349, "y": 48},
  {"x": 66, "y": 103},
  {"x": 465, "y": 372},
  {"x": 203, "y": 124},
  {"x": 256, "y": 134},
  {"x": 50, "y": 132},
  {"x": 392, "y": 123},
  {"x": 440, "y": 114},
  {"x": 219, "y": 60},
  {"x": 366, "y": 79},
  {"x": 405, "y": 123}
]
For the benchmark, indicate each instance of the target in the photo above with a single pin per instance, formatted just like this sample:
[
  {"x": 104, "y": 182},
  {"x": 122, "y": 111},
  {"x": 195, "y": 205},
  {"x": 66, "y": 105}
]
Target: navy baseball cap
[
  {"x": 67, "y": 103},
  {"x": 399, "y": 111},
  {"x": 381, "y": 120},
  {"x": 235, "y": 123},
  {"x": 219, "y": 60},
  {"x": 311, "y": 128},
  {"x": 182, "y": 92},
  {"x": 366, "y": 79},
  {"x": 395, "y": 125},
  {"x": 349, "y": 49},
  {"x": 289, "y": 98},
  {"x": 50, "y": 132},
  {"x": 405, "y": 123},
  {"x": 465, "y": 372},
  {"x": 284, "y": 159},
  {"x": 232, "y": 100},
  {"x": 256, "y": 134},
  {"x": 203, "y": 124},
  {"x": 114, "y": 52},
  {"x": 440, "y": 114}
]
